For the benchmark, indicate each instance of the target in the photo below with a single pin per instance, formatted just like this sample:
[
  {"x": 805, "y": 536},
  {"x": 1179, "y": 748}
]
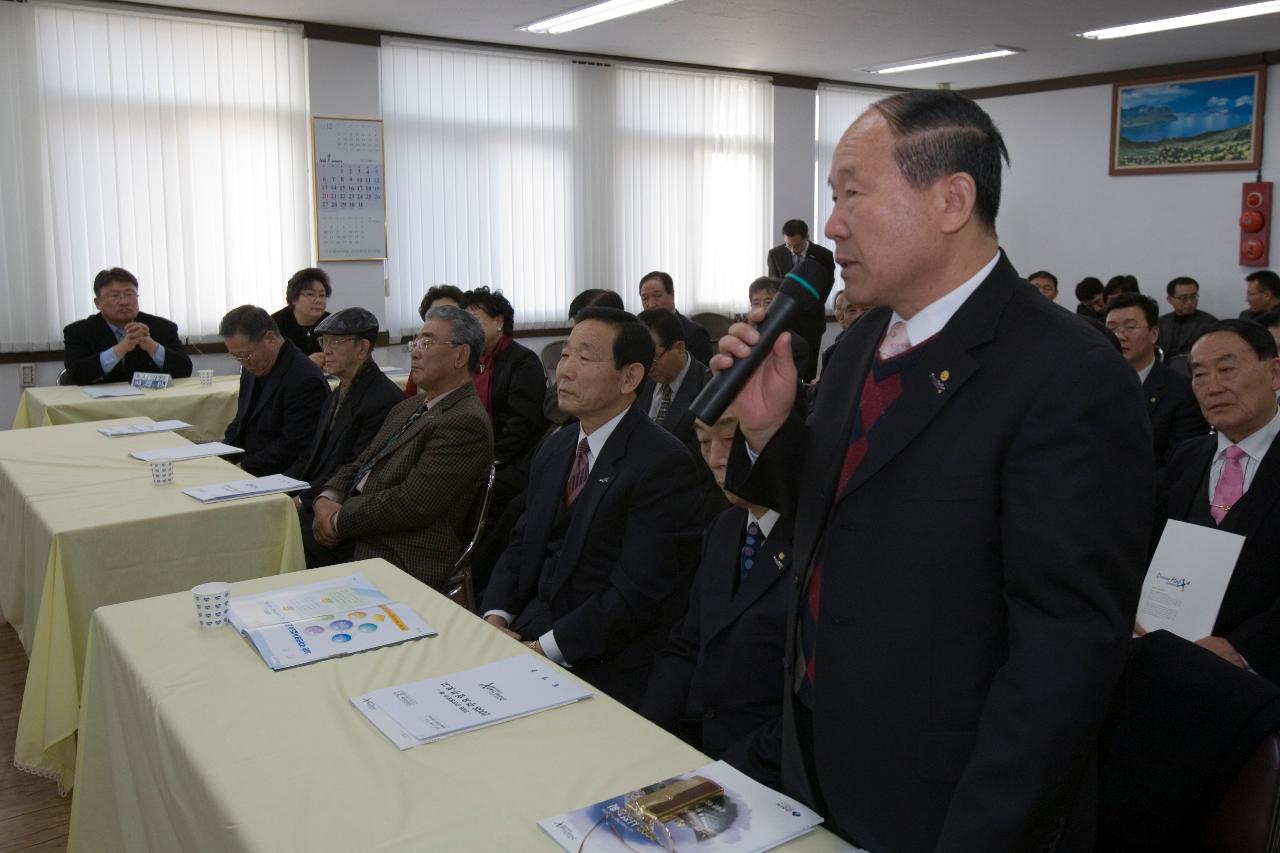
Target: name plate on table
[{"x": 151, "y": 381}]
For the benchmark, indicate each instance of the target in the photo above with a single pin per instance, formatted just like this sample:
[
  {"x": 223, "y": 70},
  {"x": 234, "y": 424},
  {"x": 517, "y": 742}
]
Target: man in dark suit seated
[
  {"x": 406, "y": 498},
  {"x": 281, "y": 392},
  {"x": 1175, "y": 415},
  {"x": 760, "y": 295},
  {"x": 1232, "y": 481},
  {"x": 1182, "y": 326},
  {"x": 120, "y": 340},
  {"x": 658, "y": 290},
  {"x": 718, "y": 681},
  {"x": 598, "y": 567},
  {"x": 1262, "y": 292},
  {"x": 677, "y": 377},
  {"x": 355, "y": 410},
  {"x": 846, "y": 314},
  {"x": 780, "y": 261}
]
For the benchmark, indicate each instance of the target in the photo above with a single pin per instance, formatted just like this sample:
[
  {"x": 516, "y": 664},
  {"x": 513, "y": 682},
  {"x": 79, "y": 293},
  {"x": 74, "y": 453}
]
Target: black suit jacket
[
  {"x": 981, "y": 573},
  {"x": 1174, "y": 412},
  {"x": 277, "y": 432},
  {"x": 813, "y": 323},
  {"x": 1250, "y": 615},
  {"x": 697, "y": 340},
  {"x": 621, "y": 578},
  {"x": 679, "y": 420},
  {"x": 363, "y": 410},
  {"x": 722, "y": 665},
  {"x": 86, "y": 339},
  {"x": 519, "y": 386}
]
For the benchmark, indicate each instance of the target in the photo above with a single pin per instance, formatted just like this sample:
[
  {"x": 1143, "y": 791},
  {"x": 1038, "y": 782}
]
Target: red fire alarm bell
[{"x": 1255, "y": 225}]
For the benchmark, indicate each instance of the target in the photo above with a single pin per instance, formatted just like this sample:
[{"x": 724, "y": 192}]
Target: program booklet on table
[
  {"x": 715, "y": 807},
  {"x": 316, "y": 621}
]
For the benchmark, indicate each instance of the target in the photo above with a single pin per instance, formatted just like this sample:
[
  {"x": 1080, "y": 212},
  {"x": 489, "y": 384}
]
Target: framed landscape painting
[{"x": 1190, "y": 123}]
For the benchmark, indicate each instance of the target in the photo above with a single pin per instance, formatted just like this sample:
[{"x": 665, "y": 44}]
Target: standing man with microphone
[{"x": 968, "y": 562}]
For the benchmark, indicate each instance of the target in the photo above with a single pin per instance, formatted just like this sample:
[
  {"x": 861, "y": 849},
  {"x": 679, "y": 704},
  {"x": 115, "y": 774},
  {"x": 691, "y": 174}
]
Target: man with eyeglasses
[
  {"x": 355, "y": 410},
  {"x": 1172, "y": 408},
  {"x": 281, "y": 392},
  {"x": 120, "y": 340},
  {"x": 676, "y": 377},
  {"x": 407, "y": 497},
  {"x": 1186, "y": 322}
]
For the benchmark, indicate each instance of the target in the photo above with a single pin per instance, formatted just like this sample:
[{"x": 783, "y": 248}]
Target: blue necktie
[{"x": 749, "y": 548}]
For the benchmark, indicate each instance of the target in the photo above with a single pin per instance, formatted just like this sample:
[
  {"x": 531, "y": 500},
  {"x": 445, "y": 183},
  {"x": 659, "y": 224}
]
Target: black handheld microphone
[{"x": 807, "y": 285}]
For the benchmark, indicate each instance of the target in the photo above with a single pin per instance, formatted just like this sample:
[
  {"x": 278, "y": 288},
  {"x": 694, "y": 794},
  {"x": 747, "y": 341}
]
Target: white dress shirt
[
  {"x": 1255, "y": 447},
  {"x": 656, "y": 402}
]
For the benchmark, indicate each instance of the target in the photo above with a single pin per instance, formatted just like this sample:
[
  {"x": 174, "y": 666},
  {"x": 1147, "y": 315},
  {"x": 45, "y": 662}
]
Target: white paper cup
[
  {"x": 211, "y": 603},
  {"x": 162, "y": 472},
  {"x": 206, "y": 376}
]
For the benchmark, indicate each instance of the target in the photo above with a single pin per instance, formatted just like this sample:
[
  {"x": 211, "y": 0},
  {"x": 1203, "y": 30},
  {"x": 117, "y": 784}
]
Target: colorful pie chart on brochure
[
  {"x": 368, "y": 627},
  {"x": 341, "y": 638},
  {"x": 340, "y": 624},
  {"x": 313, "y": 629}
]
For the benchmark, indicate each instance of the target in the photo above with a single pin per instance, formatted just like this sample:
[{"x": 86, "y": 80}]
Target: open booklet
[
  {"x": 715, "y": 807},
  {"x": 1182, "y": 592},
  {"x": 435, "y": 708},
  {"x": 313, "y": 622},
  {"x": 252, "y": 487}
]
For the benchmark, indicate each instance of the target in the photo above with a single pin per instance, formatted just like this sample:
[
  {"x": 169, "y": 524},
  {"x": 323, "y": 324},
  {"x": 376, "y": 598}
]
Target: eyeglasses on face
[
  {"x": 422, "y": 341},
  {"x": 330, "y": 343},
  {"x": 314, "y": 294},
  {"x": 1130, "y": 328}
]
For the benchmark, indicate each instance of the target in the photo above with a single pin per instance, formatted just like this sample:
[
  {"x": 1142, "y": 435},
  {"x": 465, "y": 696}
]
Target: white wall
[
  {"x": 794, "y": 159},
  {"x": 1062, "y": 212}
]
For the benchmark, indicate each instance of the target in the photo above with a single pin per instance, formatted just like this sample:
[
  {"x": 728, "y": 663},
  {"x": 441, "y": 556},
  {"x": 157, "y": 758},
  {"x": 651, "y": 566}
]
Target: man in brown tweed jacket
[{"x": 405, "y": 498}]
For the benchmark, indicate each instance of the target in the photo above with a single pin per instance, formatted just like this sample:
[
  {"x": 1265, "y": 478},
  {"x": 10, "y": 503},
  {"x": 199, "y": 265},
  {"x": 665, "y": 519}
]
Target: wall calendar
[{"x": 351, "y": 208}]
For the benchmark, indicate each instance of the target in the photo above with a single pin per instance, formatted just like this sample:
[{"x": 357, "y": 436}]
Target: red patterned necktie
[{"x": 577, "y": 474}]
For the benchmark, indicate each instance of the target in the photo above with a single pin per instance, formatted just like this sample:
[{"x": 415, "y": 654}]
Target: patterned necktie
[
  {"x": 749, "y": 548},
  {"x": 578, "y": 474},
  {"x": 896, "y": 342},
  {"x": 1230, "y": 485},
  {"x": 665, "y": 392}
]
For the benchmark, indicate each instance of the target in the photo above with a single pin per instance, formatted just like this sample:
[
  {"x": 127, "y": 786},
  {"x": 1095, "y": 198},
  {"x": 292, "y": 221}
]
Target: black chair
[
  {"x": 717, "y": 325},
  {"x": 1247, "y": 819},
  {"x": 459, "y": 588},
  {"x": 63, "y": 378}
]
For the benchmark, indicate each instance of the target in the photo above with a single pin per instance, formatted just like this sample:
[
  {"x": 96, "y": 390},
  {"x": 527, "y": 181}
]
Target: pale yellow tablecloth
[
  {"x": 83, "y": 527},
  {"x": 208, "y": 408},
  {"x": 190, "y": 742}
]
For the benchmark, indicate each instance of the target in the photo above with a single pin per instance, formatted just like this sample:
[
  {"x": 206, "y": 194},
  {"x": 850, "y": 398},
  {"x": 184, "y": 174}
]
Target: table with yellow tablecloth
[
  {"x": 208, "y": 408},
  {"x": 191, "y": 742},
  {"x": 82, "y": 527}
]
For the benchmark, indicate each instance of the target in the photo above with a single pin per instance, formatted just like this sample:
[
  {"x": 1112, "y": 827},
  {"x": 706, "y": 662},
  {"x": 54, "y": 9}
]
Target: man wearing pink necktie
[
  {"x": 967, "y": 561},
  {"x": 1232, "y": 481}
]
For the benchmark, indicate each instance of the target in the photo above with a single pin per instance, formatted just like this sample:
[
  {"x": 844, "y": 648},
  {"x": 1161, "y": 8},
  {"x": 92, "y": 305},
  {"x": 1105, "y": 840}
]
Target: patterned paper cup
[
  {"x": 211, "y": 603},
  {"x": 162, "y": 471},
  {"x": 206, "y": 376}
]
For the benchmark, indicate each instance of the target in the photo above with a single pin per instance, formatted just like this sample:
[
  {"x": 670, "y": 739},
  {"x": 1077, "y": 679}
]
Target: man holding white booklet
[{"x": 1231, "y": 482}]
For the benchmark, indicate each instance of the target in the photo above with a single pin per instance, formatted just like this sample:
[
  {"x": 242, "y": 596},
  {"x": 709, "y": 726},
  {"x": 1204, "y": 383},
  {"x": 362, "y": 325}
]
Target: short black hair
[
  {"x": 302, "y": 278},
  {"x": 664, "y": 324},
  {"x": 248, "y": 320},
  {"x": 1179, "y": 280},
  {"x": 1267, "y": 280},
  {"x": 1120, "y": 284},
  {"x": 119, "y": 274},
  {"x": 1253, "y": 334},
  {"x": 631, "y": 344},
  {"x": 1269, "y": 319},
  {"x": 1044, "y": 274},
  {"x": 1088, "y": 288},
  {"x": 1130, "y": 300},
  {"x": 439, "y": 291},
  {"x": 764, "y": 283},
  {"x": 595, "y": 296},
  {"x": 939, "y": 132},
  {"x": 493, "y": 303},
  {"x": 795, "y": 228},
  {"x": 667, "y": 284}
]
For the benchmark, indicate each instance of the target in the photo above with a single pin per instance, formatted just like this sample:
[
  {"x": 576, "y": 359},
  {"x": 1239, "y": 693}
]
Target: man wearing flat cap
[{"x": 355, "y": 410}]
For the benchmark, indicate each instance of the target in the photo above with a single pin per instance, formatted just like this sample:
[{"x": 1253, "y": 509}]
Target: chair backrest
[
  {"x": 459, "y": 588},
  {"x": 551, "y": 357},
  {"x": 63, "y": 378},
  {"x": 717, "y": 325},
  {"x": 1247, "y": 820}
]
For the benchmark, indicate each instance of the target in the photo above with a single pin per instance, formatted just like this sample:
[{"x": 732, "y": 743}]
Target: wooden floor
[{"x": 32, "y": 815}]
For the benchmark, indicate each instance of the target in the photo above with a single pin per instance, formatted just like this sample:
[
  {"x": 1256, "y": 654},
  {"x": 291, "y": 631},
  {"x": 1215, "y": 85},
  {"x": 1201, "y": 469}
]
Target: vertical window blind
[{"x": 838, "y": 107}]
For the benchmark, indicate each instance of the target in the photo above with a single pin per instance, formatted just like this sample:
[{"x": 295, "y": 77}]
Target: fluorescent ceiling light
[
  {"x": 946, "y": 59},
  {"x": 1197, "y": 19},
  {"x": 596, "y": 13}
]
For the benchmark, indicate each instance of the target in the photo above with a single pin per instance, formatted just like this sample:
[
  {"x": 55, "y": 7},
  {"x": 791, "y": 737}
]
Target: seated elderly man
[
  {"x": 598, "y": 567},
  {"x": 1231, "y": 481},
  {"x": 406, "y": 497},
  {"x": 355, "y": 410},
  {"x": 281, "y": 392},
  {"x": 120, "y": 340}
]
